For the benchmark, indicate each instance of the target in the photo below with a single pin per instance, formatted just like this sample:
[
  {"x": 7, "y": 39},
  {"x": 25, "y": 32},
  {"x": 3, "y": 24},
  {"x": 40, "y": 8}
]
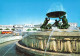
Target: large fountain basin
[{"x": 59, "y": 41}]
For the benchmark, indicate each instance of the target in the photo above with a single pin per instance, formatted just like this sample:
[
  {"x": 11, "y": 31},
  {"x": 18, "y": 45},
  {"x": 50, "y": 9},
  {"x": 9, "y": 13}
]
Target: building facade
[
  {"x": 73, "y": 24},
  {"x": 6, "y": 27}
]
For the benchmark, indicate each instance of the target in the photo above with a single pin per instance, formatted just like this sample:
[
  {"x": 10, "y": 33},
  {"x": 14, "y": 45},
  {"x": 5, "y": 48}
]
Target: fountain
[{"x": 59, "y": 41}]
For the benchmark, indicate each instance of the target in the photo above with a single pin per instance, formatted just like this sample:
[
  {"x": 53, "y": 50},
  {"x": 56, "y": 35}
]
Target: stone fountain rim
[
  {"x": 56, "y": 33},
  {"x": 35, "y": 51}
]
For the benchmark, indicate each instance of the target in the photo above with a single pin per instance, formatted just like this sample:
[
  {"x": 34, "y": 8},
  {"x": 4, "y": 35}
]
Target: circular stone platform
[
  {"x": 60, "y": 42},
  {"x": 36, "y": 52}
]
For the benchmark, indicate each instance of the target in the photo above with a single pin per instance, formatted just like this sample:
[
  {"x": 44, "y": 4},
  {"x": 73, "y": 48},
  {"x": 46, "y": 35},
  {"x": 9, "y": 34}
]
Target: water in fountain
[
  {"x": 71, "y": 29},
  {"x": 48, "y": 41},
  {"x": 56, "y": 7},
  {"x": 53, "y": 29},
  {"x": 27, "y": 34},
  {"x": 56, "y": 29}
]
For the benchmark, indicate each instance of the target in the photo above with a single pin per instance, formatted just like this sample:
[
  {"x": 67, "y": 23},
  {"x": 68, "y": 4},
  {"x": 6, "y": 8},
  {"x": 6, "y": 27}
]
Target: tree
[
  {"x": 7, "y": 29},
  {"x": 28, "y": 29},
  {"x": 34, "y": 29},
  {"x": 0, "y": 32},
  {"x": 13, "y": 29},
  {"x": 1, "y": 29}
]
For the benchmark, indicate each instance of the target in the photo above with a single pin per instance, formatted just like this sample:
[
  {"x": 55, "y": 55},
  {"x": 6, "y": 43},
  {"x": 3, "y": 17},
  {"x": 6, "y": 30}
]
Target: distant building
[
  {"x": 5, "y": 27},
  {"x": 28, "y": 25},
  {"x": 31, "y": 27},
  {"x": 25, "y": 27},
  {"x": 73, "y": 24},
  {"x": 18, "y": 28},
  {"x": 37, "y": 26}
]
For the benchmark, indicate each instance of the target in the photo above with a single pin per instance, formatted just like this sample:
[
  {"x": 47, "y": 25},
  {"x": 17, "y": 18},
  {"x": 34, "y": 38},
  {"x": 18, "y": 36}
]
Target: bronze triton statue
[
  {"x": 65, "y": 24},
  {"x": 56, "y": 14},
  {"x": 57, "y": 23},
  {"x": 45, "y": 24}
]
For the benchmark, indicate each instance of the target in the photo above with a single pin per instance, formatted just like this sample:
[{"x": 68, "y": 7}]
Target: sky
[{"x": 34, "y": 11}]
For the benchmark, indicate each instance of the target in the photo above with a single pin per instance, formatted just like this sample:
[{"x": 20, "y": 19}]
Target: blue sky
[{"x": 34, "y": 11}]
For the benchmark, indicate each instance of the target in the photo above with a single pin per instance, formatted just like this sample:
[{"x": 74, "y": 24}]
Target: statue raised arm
[{"x": 44, "y": 25}]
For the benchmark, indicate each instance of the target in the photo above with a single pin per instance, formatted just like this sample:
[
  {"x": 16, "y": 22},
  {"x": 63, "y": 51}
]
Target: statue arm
[{"x": 60, "y": 18}]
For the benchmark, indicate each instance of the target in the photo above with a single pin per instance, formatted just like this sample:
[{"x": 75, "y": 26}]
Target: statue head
[
  {"x": 56, "y": 20},
  {"x": 46, "y": 18}
]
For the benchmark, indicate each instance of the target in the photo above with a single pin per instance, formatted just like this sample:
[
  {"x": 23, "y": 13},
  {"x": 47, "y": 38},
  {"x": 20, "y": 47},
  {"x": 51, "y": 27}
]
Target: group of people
[{"x": 57, "y": 23}]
